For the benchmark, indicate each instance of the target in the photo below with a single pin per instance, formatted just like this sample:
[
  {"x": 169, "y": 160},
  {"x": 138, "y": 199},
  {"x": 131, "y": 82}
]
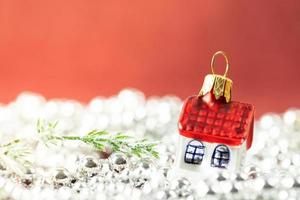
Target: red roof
[{"x": 227, "y": 123}]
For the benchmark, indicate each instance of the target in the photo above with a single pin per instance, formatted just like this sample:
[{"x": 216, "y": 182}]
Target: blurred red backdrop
[{"x": 81, "y": 49}]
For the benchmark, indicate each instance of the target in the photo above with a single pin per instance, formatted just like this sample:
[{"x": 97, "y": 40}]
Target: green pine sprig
[
  {"x": 14, "y": 156},
  {"x": 100, "y": 140}
]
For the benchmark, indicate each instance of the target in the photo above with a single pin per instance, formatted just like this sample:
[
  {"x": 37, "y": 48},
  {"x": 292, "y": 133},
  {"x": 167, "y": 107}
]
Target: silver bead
[
  {"x": 166, "y": 194},
  {"x": 88, "y": 167},
  {"x": 297, "y": 182},
  {"x": 124, "y": 176},
  {"x": 286, "y": 182},
  {"x": 165, "y": 171},
  {"x": 251, "y": 171},
  {"x": 167, "y": 160},
  {"x": 61, "y": 178},
  {"x": 141, "y": 173},
  {"x": 241, "y": 177},
  {"x": 2, "y": 167},
  {"x": 201, "y": 188},
  {"x": 221, "y": 187},
  {"x": 145, "y": 164},
  {"x": 182, "y": 187},
  {"x": 63, "y": 193},
  {"x": 28, "y": 178},
  {"x": 290, "y": 117},
  {"x": 222, "y": 177},
  {"x": 118, "y": 162},
  {"x": 271, "y": 182},
  {"x": 255, "y": 185},
  {"x": 78, "y": 186}
]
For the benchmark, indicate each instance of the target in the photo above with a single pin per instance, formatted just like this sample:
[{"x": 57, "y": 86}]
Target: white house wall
[{"x": 236, "y": 156}]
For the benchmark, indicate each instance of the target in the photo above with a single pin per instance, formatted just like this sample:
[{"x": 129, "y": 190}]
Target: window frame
[
  {"x": 220, "y": 164},
  {"x": 194, "y": 154}
]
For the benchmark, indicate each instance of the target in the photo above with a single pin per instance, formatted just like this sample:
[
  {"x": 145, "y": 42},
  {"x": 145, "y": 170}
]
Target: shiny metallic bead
[
  {"x": 271, "y": 182},
  {"x": 181, "y": 183},
  {"x": 2, "y": 167},
  {"x": 282, "y": 194},
  {"x": 165, "y": 171},
  {"x": 166, "y": 195},
  {"x": 118, "y": 162},
  {"x": 170, "y": 159},
  {"x": 296, "y": 160},
  {"x": 94, "y": 182},
  {"x": 182, "y": 187},
  {"x": 222, "y": 177},
  {"x": 201, "y": 188},
  {"x": 221, "y": 187},
  {"x": 237, "y": 186},
  {"x": 61, "y": 178},
  {"x": 286, "y": 182},
  {"x": 123, "y": 176},
  {"x": 255, "y": 185},
  {"x": 64, "y": 193},
  {"x": 113, "y": 188},
  {"x": 89, "y": 163},
  {"x": 211, "y": 191},
  {"x": 141, "y": 173},
  {"x": 252, "y": 172},
  {"x": 28, "y": 178},
  {"x": 290, "y": 117},
  {"x": 88, "y": 167},
  {"x": 268, "y": 120},
  {"x": 297, "y": 182},
  {"x": 79, "y": 186},
  {"x": 146, "y": 164},
  {"x": 234, "y": 189},
  {"x": 241, "y": 177}
]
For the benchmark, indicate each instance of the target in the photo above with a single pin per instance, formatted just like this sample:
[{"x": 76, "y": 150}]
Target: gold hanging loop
[
  {"x": 213, "y": 62},
  {"x": 219, "y": 85}
]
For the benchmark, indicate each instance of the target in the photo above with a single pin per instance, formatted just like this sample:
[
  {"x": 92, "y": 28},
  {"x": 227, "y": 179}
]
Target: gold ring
[{"x": 213, "y": 62}]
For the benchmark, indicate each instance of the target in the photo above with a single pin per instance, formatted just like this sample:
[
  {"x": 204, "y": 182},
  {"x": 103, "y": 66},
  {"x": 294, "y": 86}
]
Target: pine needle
[
  {"x": 100, "y": 140},
  {"x": 14, "y": 156}
]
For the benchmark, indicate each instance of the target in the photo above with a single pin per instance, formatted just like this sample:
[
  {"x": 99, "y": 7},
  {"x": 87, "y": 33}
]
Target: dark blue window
[
  {"x": 194, "y": 152},
  {"x": 220, "y": 157}
]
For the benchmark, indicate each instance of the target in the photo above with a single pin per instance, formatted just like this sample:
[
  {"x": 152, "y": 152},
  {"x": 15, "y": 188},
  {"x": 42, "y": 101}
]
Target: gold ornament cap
[{"x": 219, "y": 85}]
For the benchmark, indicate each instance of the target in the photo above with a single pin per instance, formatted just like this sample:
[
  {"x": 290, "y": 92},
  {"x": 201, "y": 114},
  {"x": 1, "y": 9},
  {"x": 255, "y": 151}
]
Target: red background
[{"x": 81, "y": 49}]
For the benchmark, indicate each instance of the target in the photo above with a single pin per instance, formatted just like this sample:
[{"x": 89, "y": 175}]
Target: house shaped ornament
[{"x": 215, "y": 132}]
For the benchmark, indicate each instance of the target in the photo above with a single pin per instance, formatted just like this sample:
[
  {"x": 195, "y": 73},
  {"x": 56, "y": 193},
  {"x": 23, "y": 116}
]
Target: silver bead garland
[{"x": 75, "y": 171}]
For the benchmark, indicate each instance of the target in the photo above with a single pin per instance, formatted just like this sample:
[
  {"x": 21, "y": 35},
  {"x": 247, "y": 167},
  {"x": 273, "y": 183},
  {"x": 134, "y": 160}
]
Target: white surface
[{"x": 237, "y": 153}]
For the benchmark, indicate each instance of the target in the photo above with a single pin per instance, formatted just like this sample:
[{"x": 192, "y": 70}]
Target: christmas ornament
[{"x": 214, "y": 131}]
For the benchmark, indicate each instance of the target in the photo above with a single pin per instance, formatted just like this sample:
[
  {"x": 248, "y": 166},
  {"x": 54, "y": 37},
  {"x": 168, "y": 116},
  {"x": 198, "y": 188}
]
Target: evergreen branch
[
  {"x": 101, "y": 140},
  {"x": 14, "y": 156}
]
